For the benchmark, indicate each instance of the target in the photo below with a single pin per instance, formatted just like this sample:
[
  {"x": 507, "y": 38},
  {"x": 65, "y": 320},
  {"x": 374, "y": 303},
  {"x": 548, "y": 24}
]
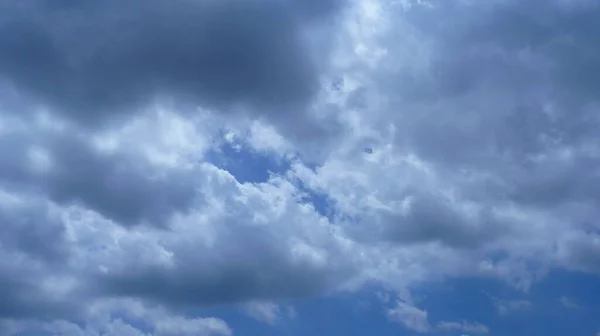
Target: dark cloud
[
  {"x": 95, "y": 60},
  {"x": 118, "y": 185},
  {"x": 427, "y": 217},
  {"x": 34, "y": 230},
  {"x": 433, "y": 219},
  {"x": 500, "y": 113},
  {"x": 580, "y": 251},
  {"x": 21, "y": 297},
  {"x": 232, "y": 272},
  {"x": 34, "y": 248},
  {"x": 506, "y": 98},
  {"x": 231, "y": 283}
]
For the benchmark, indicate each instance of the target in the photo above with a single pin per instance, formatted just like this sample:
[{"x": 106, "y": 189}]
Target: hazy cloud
[{"x": 439, "y": 139}]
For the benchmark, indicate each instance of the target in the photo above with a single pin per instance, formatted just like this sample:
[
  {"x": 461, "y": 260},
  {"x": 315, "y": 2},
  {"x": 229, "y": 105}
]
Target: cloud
[
  {"x": 473, "y": 328},
  {"x": 578, "y": 251},
  {"x": 126, "y": 317},
  {"x": 20, "y": 220},
  {"x": 33, "y": 245},
  {"x": 304, "y": 257},
  {"x": 568, "y": 302},
  {"x": 106, "y": 226},
  {"x": 267, "y": 312},
  {"x": 97, "y": 61},
  {"x": 455, "y": 139},
  {"x": 505, "y": 306},
  {"x": 410, "y": 316},
  {"x": 413, "y": 318},
  {"x": 69, "y": 169},
  {"x": 479, "y": 141}
]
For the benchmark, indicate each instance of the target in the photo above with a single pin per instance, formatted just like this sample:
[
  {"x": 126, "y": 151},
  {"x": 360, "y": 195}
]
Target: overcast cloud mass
[{"x": 411, "y": 144}]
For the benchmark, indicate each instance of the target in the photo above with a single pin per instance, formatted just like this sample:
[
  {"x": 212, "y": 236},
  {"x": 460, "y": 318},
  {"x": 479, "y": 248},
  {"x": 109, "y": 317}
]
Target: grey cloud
[
  {"x": 34, "y": 249},
  {"x": 502, "y": 112},
  {"x": 495, "y": 65},
  {"x": 98, "y": 60},
  {"x": 510, "y": 44},
  {"x": 20, "y": 299},
  {"x": 119, "y": 186},
  {"x": 23, "y": 297},
  {"x": 580, "y": 251},
  {"x": 34, "y": 230},
  {"x": 426, "y": 217},
  {"x": 234, "y": 272},
  {"x": 119, "y": 317},
  {"x": 431, "y": 218},
  {"x": 32, "y": 246},
  {"x": 503, "y": 102}
]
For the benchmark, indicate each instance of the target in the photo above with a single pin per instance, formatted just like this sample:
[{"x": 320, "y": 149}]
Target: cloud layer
[{"x": 422, "y": 141}]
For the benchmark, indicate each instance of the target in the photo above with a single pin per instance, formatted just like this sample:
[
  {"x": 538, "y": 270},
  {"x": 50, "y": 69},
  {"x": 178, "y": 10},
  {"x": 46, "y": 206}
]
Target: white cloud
[
  {"x": 406, "y": 313},
  {"x": 446, "y": 139},
  {"x": 410, "y": 316},
  {"x": 468, "y": 327},
  {"x": 126, "y": 317},
  {"x": 267, "y": 312}
]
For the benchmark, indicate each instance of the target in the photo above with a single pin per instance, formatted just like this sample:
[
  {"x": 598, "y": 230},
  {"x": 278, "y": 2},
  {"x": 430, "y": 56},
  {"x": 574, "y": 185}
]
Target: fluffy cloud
[
  {"x": 410, "y": 316},
  {"x": 445, "y": 139},
  {"x": 125, "y": 317},
  {"x": 69, "y": 169},
  {"x": 267, "y": 312},
  {"x": 210, "y": 250},
  {"x": 95, "y": 62}
]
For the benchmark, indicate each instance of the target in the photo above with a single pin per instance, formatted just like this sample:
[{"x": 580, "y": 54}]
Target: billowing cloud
[
  {"x": 422, "y": 140},
  {"x": 69, "y": 169},
  {"x": 97, "y": 61},
  {"x": 125, "y": 317}
]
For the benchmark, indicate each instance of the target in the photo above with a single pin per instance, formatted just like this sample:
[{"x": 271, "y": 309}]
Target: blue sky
[{"x": 299, "y": 167}]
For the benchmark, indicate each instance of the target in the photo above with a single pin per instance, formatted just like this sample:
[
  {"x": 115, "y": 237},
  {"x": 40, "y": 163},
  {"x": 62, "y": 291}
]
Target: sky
[{"x": 299, "y": 167}]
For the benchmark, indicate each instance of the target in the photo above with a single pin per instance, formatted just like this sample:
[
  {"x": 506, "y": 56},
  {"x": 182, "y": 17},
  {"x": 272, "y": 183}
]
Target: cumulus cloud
[
  {"x": 97, "y": 61},
  {"x": 69, "y": 169},
  {"x": 124, "y": 317},
  {"x": 454, "y": 139},
  {"x": 406, "y": 313}
]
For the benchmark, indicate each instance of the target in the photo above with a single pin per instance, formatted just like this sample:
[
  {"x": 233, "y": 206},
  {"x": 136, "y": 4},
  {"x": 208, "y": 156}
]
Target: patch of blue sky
[
  {"x": 246, "y": 164},
  {"x": 320, "y": 201}
]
